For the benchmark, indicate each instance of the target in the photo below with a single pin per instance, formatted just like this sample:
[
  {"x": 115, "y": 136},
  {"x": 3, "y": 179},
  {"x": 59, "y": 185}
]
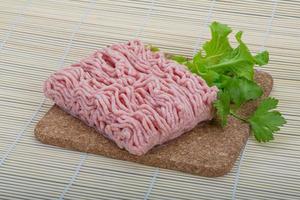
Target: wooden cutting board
[{"x": 208, "y": 150}]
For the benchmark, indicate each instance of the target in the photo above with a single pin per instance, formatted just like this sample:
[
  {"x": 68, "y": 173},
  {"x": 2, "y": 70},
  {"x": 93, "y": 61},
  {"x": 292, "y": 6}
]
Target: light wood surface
[{"x": 37, "y": 37}]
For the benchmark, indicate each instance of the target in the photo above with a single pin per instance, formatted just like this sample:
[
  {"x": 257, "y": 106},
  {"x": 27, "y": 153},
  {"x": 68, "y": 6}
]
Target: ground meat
[{"x": 133, "y": 96}]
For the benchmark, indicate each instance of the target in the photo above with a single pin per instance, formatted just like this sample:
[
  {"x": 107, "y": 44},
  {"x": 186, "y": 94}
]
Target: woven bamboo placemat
[{"x": 38, "y": 37}]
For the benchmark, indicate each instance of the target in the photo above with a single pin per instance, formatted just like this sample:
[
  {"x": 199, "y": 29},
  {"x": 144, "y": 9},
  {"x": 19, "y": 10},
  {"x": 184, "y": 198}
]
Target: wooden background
[{"x": 39, "y": 36}]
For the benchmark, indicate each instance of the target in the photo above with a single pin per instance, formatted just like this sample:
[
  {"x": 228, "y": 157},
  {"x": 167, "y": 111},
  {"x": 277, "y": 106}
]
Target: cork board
[{"x": 207, "y": 150}]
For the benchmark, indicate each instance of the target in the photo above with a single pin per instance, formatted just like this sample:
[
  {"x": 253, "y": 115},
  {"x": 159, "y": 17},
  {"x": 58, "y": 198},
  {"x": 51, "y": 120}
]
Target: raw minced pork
[{"x": 133, "y": 96}]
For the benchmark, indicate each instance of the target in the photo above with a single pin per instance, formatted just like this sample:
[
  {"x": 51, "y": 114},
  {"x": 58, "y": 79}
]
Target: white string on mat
[
  {"x": 198, "y": 42},
  {"x": 153, "y": 180},
  {"x": 60, "y": 63},
  {"x": 146, "y": 20},
  {"x": 73, "y": 178},
  {"x": 207, "y": 20},
  {"x": 85, "y": 155},
  {"x": 15, "y": 23},
  {"x": 270, "y": 22},
  {"x": 12, "y": 27},
  {"x": 269, "y": 28}
]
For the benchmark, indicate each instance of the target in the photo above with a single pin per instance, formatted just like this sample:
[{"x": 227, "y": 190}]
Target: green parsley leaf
[
  {"x": 218, "y": 55},
  {"x": 222, "y": 104},
  {"x": 242, "y": 90},
  {"x": 264, "y": 122},
  {"x": 239, "y": 61},
  {"x": 211, "y": 77},
  {"x": 218, "y": 47},
  {"x": 262, "y": 58},
  {"x": 152, "y": 48},
  {"x": 232, "y": 70},
  {"x": 179, "y": 59}
]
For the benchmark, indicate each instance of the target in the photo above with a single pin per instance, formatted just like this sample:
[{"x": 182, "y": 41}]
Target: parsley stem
[
  {"x": 238, "y": 117},
  {"x": 224, "y": 64}
]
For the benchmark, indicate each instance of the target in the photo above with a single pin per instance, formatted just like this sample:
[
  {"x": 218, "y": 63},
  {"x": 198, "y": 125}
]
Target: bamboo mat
[{"x": 38, "y": 37}]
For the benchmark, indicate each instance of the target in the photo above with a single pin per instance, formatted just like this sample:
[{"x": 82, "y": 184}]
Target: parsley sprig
[{"x": 232, "y": 70}]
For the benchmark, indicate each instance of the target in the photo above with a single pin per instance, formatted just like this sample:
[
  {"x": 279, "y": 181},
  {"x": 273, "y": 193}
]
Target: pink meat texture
[{"x": 133, "y": 96}]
